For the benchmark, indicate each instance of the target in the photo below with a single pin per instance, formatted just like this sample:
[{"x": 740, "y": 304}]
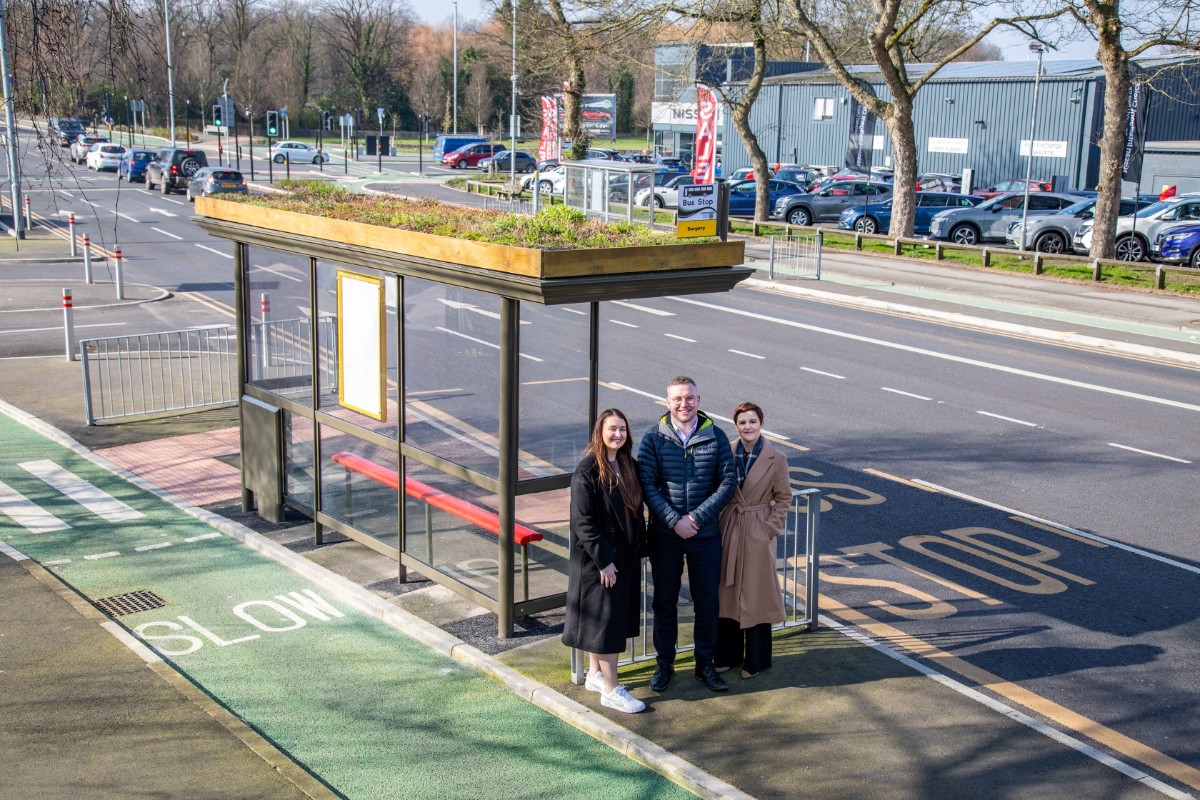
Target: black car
[
  {"x": 173, "y": 167},
  {"x": 524, "y": 163},
  {"x": 65, "y": 130}
]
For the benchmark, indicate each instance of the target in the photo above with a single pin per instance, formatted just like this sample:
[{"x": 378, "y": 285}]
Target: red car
[
  {"x": 469, "y": 155},
  {"x": 1015, "y": 185}
]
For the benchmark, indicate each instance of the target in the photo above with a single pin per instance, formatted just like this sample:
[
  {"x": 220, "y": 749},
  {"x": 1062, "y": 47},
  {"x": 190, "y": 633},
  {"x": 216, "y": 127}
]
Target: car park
[
  {"x": 666, "y": 194},
  {"x": 828, "y": 203},
  {"x": 1178, "y": 245},
  {"x": 216, "y": 180},
  {"x": 300, "y": 152},
  {"x": 470, "y": 155},
  {"x": 1015, "y": 185},
  {"x": 173, "y": 167},
  {"x": 524, "y": 161},
  {"x": 1134, "y": 233},
  {"x": 989, "y": 221},
  {"x": 743, "y": 196},
  {"x": 877, "y": 217},
  {"x": 1054, "y": 233},
  {"x": 104, "y": 156},
  {"x": 133, "y": 164},
  {"x": 65, "y": 130},
  {"x": 83, "y": 142}
]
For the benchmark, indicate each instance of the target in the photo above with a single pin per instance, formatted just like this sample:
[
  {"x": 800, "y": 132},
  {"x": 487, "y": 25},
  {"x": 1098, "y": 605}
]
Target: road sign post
[
  {"x": 379, "y": 144},
  {"x": 697, "y": 211}
]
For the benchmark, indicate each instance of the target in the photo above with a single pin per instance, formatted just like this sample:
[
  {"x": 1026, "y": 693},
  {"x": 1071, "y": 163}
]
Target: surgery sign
[{"x": 697, "y": 211}]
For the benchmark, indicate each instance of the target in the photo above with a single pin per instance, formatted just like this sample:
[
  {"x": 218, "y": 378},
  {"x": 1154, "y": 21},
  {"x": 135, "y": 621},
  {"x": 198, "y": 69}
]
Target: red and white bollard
[
  {"x": 69, "y": 322},
  {"x": 120, "y": 278},
  {"x": 71, "y": 231},
  {"x": 264, "y": 305},
  {"x": 87, "y": 258},
  {"x": 28, "y": 216}
]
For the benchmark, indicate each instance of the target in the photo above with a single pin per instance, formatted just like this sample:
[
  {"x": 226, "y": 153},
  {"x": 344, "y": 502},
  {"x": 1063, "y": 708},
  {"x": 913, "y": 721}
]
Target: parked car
[
  {"x": 806, "y": 176},
  {"x": 444, "y": 145},
  {"x": 1134, "y": 233},
  {"x": 939, "y": 182},
  {"x": 300, "y": 152},
  {"x": 618, "y": 189},
  {"x": 742, "y": 196},
  {"x": 133, "y": 165},
  {"x": 550, "y": 180},
  {"x": 64, "y": 130},
  {"x": 524, "y": 161},
  {"x": 666, "y": 194},
  {"x": 216, "y": 180},
  {"x": 827, "y": 204},
  {"x": 103, "y": 155},
  {"x": 742, "y": 174},
  {"x": 470, "y": 155},
  {"x": 676, "y": 165},
  {"x": 989, "y": 221},
  {"x": 1054, "y": 233},
  {"x": 1015, "y": 185},
  {"x": 173, "y": 167},
  {"x": 605, "y": 154},
  {"x": 83, "y": 142},
  {"x": 877, "y": 218},
  {"x": 1179, "y": 245}
]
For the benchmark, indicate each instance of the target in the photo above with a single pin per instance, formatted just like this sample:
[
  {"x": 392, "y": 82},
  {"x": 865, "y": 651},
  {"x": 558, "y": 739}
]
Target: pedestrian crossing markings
[{"x": 35, "y": 519}]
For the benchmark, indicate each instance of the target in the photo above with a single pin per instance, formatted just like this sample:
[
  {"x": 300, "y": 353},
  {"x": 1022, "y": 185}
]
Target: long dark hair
[{"x": 631, "y": 490}]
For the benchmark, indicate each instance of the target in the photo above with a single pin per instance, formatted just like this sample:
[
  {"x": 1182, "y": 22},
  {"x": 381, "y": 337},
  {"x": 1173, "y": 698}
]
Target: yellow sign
[{"x": 696, "y": 227}]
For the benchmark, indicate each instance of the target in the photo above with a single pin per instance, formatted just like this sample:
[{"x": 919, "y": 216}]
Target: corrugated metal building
[{"x": 977, "y": 115}]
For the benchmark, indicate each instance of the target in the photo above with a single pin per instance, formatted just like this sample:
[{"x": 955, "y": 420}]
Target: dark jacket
[
  {"x": 600, "y": 620},
  {"x": 676, "y": 481}
]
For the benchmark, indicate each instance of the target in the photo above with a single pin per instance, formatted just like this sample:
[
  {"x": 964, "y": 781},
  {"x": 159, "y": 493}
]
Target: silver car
[
  {"x": 1054, "y": 234},
  {"x": 666, "y": 195},
  {"x": 1134, "y": 233},
  {"x": 989, "y": 221}
]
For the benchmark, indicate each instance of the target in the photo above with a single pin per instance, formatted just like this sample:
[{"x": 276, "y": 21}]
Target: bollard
[
  {"x": 1038, "y": 266},
  {"x": 820, "y": 247},
  {"x": 120, "y": 277},
  {"x": 69, "y": 322},
  {"x": 345, "y": 161},
  {"x": 28, "y": 217},
  {"x": 71, "y": 230},
  {"x": 87, "y": 258},
  {"x": 986, "y": 258},
  {"x": 1160, "y": 278},
  {"x": 1096, "y": 270}
]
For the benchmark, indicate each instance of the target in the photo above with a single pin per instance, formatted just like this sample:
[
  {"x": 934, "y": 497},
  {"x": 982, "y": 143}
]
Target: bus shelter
[
  {"x": 429, "y": 409},
  {"x": 602, "y": 188}
]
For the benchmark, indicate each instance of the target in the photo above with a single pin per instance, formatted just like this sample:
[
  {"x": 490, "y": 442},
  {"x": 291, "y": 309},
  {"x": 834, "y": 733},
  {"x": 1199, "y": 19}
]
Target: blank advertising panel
[{"x": 361, "y": 344}]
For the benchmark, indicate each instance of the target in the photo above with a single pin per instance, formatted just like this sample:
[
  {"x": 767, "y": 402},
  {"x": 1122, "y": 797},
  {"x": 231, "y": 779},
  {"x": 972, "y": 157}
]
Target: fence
[
  {"x": 279, "y": 351},
  {"x": 796, "y": 255},
  {"x": 787, "y": 569},
  {"x": 514, "y": 206}
]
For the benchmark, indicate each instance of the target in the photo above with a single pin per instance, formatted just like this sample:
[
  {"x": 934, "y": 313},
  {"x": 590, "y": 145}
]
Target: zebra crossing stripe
[
  {"x": 26, "y": 513},
  {"x": 97, "y": 501},
  {"x": 12, "y": 552}
]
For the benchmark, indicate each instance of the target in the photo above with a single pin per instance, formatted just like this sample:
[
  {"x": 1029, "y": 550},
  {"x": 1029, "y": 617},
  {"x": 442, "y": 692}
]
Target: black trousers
[
  {"x": 703, "y": 557},
  {"x": 749, "y": 648}
]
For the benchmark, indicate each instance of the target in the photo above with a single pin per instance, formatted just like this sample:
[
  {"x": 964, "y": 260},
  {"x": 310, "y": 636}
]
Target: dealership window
[{"x": 823, "y": 108}]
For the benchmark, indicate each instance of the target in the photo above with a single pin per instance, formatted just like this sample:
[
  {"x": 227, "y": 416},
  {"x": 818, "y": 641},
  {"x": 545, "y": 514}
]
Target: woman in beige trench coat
[{"x": 749, "y": 592}]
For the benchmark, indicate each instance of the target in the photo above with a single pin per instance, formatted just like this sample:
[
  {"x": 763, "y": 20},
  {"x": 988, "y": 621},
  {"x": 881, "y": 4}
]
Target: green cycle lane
[{"x": 371, "y": 711}]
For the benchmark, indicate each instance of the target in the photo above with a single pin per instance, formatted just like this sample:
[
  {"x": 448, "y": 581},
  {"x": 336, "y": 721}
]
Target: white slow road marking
[
  {"x": 660, "y": 399},
  {"x": 125, "y": 216},
  {"x": 59, "y": 327},
  {"x": 906, "y": 394},
  {"x": 625, "y": 324},
  {"x": 98, "y": 556},
  {"x": 26, "y": 513},
  {"x": 146, "y": 547},
  {"x": 680, "y": 338},
  {"x": 1148, "y": 453},
  {"x": 656, "y": 312},
  {"x": 99, "y": 502},
  {"x": 575, "y": 311},
  {"x": 164, "y": 213},
  {"x": 744, "y": 353},
  {"x": 214, "y": 250},
  {"x": 481, "y": 341},
  {"x": 167, "y": 233},
  {"x": 202, "y": 537},
  {"x": 947, "y": 356},
  {"x": 280, "y": 274},
  {"x": 1007, "y": 419},
  {"x": 826, "y": 374}
]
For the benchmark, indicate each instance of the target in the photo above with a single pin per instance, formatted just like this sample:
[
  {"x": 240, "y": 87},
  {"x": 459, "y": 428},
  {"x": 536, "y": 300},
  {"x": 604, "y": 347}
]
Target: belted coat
[{"x": 749, "y": 590}]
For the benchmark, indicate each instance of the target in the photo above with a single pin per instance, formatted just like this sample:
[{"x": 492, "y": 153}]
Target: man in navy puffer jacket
[{"x": 687, "y": 476}]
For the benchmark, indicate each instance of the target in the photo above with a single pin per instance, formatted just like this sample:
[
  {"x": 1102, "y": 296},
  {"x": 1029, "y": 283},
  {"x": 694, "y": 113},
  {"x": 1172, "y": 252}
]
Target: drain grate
[{"x": 121, "y": 604}]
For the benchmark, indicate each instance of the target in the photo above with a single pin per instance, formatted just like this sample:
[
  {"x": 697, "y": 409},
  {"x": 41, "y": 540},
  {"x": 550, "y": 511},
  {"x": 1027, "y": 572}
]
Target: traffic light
[
  {"x": 272, "y": 123},
  {"x": 216, "y": 115}
]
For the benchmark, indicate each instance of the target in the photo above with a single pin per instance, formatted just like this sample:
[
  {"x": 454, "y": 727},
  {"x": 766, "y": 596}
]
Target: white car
[
  {"x": 550, "y": 180},
  {"x": 666, "y": 195},
  {"x": 301, "y": 152},
  {"x": 103, "y": 156},
  {"x": 1134, "y": 235},
  {"x": 83, "y": 142}
]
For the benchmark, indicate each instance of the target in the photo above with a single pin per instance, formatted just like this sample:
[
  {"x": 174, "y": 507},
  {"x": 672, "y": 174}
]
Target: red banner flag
[
  {"x": 1168, "y": 191},
  {"x": 705, "y": 150},
  {"x": 548, "y": 146}
]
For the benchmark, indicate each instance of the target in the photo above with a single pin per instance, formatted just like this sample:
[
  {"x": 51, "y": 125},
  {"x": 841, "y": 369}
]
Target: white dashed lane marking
[
  {"x": 1148, "y": 453},
  {"x": 1008, "y": 419}
]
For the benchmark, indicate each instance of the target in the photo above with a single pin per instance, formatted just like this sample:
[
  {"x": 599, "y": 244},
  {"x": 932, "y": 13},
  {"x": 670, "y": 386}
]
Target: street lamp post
[
  {"x": 1039, "y": 48},
  {"x": 187, "y": 121},
  {"x": 454, "y": 114},
  {"x": 512, "y": 121},
  {"x": 170, "y": 68}
]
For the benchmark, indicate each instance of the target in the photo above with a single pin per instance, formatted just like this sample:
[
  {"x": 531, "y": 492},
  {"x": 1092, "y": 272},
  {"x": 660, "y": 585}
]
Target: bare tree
[
  {"x": 477, "y": 100},
  {"x": 367, "y": 38}
]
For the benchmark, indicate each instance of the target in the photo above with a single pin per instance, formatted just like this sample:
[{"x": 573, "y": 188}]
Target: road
[{"x": 1011, "y": 511}]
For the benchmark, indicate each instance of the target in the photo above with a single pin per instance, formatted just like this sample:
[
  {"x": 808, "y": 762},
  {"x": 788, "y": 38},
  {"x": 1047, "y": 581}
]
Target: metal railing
[
  {"x": 514, "y": 206},
  {"x": 279, "y": 349},
  {"x": 796, "y": 256},
  {"x": 787, "y": 569}
]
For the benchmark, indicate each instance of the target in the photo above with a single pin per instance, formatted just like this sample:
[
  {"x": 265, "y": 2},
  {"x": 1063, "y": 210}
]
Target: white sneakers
[
  {"x": 594, "y": 682},
  {"x": 621, "y": 700}
]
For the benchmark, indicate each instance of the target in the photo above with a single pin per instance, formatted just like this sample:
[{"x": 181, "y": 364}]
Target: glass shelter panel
[
  {"x": 543, "y": 565},
  {"x": 359, "y": 485},
  {"x": 452, "y": 373},
  {"x": 279, "y": 322},
  {"x": 554, "y": 391},
  {"x": 298, "y": 459},
  {"x": 353, "y": 303}
]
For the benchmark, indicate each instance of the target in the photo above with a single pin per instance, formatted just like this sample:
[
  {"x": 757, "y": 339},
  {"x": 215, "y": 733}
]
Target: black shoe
[
  {"x": 661, "y": 678},
  {"x": 709, "y": 677}
]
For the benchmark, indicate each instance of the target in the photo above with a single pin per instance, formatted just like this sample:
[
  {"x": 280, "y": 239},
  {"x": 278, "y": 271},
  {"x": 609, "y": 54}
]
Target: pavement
[{"x": 279, "y": 667}]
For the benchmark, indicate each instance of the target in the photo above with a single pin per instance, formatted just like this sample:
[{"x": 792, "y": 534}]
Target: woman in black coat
[{"x": 604, "y": 587}]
